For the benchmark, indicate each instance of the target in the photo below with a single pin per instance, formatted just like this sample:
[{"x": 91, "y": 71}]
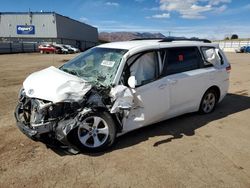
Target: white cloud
[
  {"x": 193, "y": 9},
  {"x": 83, "y": 19},
  {"x": 152, "y": 9},
  {"x": 109, "y": 22},
  {"x": 160, "y": 16},
  {"x": 217, "y": 2},
  {"x": 114, "y": 4},
  {"x": 220, "y": 9}
]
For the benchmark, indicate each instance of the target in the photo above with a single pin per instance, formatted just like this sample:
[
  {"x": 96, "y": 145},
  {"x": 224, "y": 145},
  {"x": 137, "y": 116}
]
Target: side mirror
[{"x": 132, "y": 82}]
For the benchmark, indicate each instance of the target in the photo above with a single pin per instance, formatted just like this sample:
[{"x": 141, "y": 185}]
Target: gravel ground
[{"x": 187, "y": 151}]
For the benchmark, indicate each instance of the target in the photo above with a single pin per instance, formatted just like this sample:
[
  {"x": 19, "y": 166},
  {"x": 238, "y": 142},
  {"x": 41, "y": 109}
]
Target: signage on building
[{"x": 25, "y": 29}]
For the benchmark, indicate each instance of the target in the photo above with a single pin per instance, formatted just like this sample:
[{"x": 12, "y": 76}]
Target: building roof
[{"x": 28, "y": 12}]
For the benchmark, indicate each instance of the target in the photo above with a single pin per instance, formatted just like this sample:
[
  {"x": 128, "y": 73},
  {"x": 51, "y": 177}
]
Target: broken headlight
[{"x": 21, "y": 95}]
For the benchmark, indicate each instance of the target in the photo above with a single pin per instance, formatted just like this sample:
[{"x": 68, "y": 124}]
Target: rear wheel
[
  {"x": 208, "y": 102},
  {"x": 96, "y": 132}
]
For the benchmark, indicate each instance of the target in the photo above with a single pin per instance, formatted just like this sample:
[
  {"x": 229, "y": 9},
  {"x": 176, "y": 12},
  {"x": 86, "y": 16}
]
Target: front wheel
[
  {"x": 96, "y": 132},
  {"x": 208, "y": 102}
]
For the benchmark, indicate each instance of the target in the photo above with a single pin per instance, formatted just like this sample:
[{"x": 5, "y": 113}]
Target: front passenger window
[{"x": 144, "y": 68}]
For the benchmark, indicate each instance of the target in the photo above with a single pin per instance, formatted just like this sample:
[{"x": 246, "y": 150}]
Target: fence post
[
  {"x": 22, "y": 47},
  {"x": 10, "y": 47}
]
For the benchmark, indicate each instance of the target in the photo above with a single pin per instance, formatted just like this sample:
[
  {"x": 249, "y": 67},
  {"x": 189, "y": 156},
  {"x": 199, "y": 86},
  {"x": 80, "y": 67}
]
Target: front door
[{"x": 151, "y": 95}]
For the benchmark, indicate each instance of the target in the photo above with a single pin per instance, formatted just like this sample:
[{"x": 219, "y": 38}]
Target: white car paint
[
  {"x": 54, "y": 85},
  {"x": 159, "y": 100}
]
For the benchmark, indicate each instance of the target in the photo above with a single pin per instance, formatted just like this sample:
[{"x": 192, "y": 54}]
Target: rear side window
[
  {"x": 180, "y": 60},
  {"x": 212, "y": 54}
]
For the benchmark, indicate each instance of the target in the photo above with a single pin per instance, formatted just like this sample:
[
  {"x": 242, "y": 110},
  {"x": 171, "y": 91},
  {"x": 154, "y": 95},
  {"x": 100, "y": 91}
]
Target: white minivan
[{"x": 118, "y": 87}]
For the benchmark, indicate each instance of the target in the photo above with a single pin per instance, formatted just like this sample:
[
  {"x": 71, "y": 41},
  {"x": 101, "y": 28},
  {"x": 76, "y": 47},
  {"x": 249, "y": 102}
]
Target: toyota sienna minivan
[{"x": 118, "y": 87}]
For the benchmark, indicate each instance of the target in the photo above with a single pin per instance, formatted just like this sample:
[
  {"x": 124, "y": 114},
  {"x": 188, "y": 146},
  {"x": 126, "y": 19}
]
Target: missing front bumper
[{"x": 27, "y": 131}]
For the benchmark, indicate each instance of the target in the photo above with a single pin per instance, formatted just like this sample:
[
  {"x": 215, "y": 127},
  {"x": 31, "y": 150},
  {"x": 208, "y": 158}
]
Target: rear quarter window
[{"x": 208, "y": 50}]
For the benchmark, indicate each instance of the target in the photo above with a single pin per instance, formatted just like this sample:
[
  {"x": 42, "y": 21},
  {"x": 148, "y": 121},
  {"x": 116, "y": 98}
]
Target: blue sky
[{"x": 213, "y": 19}]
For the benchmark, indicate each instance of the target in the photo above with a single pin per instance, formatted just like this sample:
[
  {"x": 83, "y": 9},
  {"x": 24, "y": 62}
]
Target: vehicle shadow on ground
[
  {"x": 185, "y": 124},
  {"x": 182, "y": 125}
]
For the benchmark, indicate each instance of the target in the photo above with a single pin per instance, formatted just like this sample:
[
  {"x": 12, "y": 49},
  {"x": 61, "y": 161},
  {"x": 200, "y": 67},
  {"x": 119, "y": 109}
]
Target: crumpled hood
[{"x": 54, "y": 85}]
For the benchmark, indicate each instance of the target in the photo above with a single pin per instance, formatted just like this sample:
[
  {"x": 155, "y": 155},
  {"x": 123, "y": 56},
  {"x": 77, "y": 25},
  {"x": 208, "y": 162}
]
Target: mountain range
[{"x": 123, "y": 36}]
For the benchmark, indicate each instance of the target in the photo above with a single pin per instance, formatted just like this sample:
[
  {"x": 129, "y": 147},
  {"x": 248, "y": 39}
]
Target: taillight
[{"x": 228, "y": 68}]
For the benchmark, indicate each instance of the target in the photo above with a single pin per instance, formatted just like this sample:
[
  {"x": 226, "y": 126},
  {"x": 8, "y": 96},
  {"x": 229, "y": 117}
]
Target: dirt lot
[{"x": 188, "y": 151}]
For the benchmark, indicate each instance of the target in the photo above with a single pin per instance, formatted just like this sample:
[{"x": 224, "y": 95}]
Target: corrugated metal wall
[
  {"x": 72, "y": 29},
  {"x": 49, "y": 27},
  {"x": 45, "y": 25}
]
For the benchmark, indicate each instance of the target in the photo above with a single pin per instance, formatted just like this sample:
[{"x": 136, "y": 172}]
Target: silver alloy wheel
[
  {"x": 93, "y": 132},
  {"x": 209, "y": 102}
]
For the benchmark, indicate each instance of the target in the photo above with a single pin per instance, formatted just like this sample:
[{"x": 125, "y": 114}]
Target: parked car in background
[
  {"x": 241, "y": 49},
  {"x": 70, "y": 50},
  {"x": 118, "y": 87},
  {"x": 76, "y": 50},
  {"x": 63, "y": 49},
  {"x": 48, "y": 48},
  {"x": 247, "y": 49},
  {"x": 58, "y": 50}
]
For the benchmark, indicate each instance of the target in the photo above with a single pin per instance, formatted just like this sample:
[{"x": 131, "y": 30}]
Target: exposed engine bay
[{"x": 52, "y": 122}]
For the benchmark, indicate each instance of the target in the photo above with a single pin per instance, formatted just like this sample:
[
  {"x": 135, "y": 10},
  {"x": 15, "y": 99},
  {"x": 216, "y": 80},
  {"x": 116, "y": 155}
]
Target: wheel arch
[{"x": 217, "y": 90}]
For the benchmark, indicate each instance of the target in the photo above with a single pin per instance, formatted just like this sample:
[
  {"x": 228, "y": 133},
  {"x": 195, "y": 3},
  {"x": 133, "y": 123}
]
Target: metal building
[{"x": 46, "y": 27}]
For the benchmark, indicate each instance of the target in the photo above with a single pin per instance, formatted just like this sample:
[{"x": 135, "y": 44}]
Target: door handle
[
  {"x": 173, "y": 81},
  {"x": 162, "y": 86}
]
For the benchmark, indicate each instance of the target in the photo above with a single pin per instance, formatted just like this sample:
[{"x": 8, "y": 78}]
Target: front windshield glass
[{"x": 97, "y": 65}]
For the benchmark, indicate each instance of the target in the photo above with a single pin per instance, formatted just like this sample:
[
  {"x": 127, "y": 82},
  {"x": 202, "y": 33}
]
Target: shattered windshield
[{"x": 97, "y": 65}]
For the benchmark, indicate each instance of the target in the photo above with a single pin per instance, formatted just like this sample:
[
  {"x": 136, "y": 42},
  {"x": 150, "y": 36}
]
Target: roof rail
[
  {"x": 171, "y": 39},
  {"x": 147, "y": 39}
]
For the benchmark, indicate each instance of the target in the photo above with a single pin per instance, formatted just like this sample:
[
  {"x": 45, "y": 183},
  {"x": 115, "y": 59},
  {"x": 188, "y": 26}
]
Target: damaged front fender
[
  {"x": 122, "y": 98},
  {"x": 37, "y": 118}
]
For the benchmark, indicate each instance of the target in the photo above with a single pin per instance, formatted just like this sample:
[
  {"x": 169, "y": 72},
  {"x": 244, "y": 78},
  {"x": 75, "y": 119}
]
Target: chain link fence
[{"x": 232, "y": 45}]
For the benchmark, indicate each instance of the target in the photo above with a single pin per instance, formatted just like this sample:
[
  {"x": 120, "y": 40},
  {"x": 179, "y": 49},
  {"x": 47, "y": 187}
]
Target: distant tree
[
  {"x": 226, "y": 38},
  {"x": 234, "y": 36}
]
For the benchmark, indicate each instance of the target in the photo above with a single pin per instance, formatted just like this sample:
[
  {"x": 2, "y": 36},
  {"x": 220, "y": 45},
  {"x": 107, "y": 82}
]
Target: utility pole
[{"x": 169, "y": 33}]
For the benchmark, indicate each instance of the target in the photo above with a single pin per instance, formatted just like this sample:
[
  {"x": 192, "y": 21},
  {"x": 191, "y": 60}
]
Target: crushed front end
[
  {"x": 51, "y": 123},
  {"x": 39, "y": 119}
]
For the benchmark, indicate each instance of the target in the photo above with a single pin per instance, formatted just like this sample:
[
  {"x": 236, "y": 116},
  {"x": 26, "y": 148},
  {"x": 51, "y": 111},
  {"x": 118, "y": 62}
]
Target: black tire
[
  {"x": 85, "y": 136},
  {"x": 208, "y": 102}
]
